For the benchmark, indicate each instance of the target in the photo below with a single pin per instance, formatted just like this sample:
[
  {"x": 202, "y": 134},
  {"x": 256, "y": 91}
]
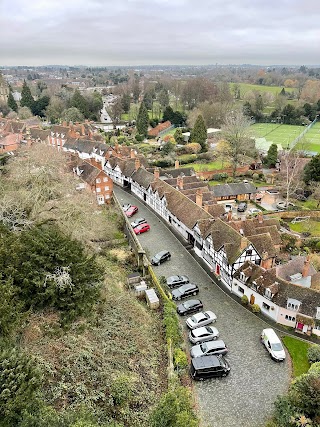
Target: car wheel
[
  {"x": 194, "y": 293},
  {"x": 224, "y": 375}
]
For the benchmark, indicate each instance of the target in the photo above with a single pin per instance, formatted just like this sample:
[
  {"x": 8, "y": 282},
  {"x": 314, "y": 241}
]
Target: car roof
[
  {"x": 191, "y": 302},
  {"x": 205, "y": 362},
  {"x": 271, "y": 334},
  {"x": 162, "y": 253},
  {"x": 202, "y": 329},
  {"x": 215, "y": 344}
]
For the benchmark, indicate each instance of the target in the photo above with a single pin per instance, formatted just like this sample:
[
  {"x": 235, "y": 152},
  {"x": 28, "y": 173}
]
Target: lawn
[
  {"x": 309, "y": 226},
  {"x": 298, "y": 353},
  {"x": 200, "y": 167},
  {"x": 275, "y": 90}
]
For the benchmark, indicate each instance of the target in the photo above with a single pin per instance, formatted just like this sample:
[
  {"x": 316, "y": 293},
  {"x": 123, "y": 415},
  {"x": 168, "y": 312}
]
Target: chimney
[
  {"x": 156, "y": 173},
  {"x": 206, "y": 207},
  {"x": 137, "y": 164},
  {"x": 244, "y": 243},
  {"x": 83, "y": 131},
  {"x": 132, "y": 154},
  {"x": 306, "y": 267},
  {"x": 77, "y": 135},
  {"x": 199, "y": 197},
  {"x": 260, "y": 218},
  {"x": 180, "y": 182},
  {"x": 64, "y": 124},
  {"x": 176, "y": 164},
  {"x": 229, "y": 215}
]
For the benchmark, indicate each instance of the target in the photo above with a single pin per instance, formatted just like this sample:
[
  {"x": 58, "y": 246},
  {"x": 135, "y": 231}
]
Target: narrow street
[{"x": 244, "y": 398}]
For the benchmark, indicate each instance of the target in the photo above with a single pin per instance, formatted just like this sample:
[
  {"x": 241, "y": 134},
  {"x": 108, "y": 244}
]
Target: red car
[
  {"x": 142, "y": 228},
  {"x": 131, "y": 211}
]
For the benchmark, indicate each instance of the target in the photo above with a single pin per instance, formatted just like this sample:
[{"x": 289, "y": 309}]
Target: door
[
  {"x": 218, "y": 269},
  {"x": 252, "y": 299},
  {"x": 299, "y": 326}
]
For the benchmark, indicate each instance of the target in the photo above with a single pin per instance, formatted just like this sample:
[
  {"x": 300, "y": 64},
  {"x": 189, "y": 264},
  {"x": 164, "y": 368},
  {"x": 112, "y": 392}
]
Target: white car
[
  {"x": 228, "y": 207},
  {"x": 284, "y": 205},
  {"x": 254, "y": 211},
  {"x": 205, "y": 333},
  {"x": 201, "y": 319}
]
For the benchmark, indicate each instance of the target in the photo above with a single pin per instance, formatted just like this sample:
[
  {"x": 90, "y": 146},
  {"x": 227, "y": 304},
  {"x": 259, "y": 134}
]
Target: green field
[
  {"x": 200, "y": 167},
  {"x": 273, "y": 133},
  {"x": 247, "y": 87}
]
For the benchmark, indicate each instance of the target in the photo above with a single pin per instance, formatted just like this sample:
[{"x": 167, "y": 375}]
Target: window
[
  {"x": 241, "y": 290},
  {"x": 293, "y": 306},
  {"x": 267, "y": 293},
  {"x": 290, "y": 318},
  {"x": 106, "y": 188},
  {"x": 249, "y": 252},
  {"x": 107, "y": 196},
  {"x": 105, "y": 179},
  {"x": 265, "y": 306},
  {"x": 98, "y": 190},
  {"x": 98, "y": 180}
]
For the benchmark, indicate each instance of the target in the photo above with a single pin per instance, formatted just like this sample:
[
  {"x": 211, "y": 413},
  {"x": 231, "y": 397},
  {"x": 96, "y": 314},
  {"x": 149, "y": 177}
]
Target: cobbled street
[{"x": 244, "y": 398}]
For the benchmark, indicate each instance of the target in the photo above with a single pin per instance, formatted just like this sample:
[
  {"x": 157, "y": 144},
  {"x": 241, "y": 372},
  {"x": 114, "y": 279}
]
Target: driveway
[{"x": 244, "y": 398}]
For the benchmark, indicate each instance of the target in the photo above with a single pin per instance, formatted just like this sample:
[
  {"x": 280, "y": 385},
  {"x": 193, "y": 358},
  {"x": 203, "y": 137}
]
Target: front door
[
  {"x": 218, "y": 269},
  {"x": 252, "y": 299}
]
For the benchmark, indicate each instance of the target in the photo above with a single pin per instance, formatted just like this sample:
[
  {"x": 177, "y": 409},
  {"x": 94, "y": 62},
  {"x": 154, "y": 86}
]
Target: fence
[{"x": 299, "y": 137}]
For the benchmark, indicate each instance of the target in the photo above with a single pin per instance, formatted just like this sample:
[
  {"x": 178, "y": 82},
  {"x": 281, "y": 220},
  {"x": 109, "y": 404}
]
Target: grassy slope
[
  {"x": 216, "y": 165},
  {"x": 298, "y": 352},
  {"x": 310, "y": 226},
  {"x": 110, "y": 351}
]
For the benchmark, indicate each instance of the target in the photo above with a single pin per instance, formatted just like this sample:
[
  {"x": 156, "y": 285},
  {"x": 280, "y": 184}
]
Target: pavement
[{"x": 244, "y": 398}]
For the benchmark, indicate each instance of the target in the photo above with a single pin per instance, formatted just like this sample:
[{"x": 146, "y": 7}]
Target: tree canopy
[
  {"x": 26, "y": 96},
  {"x": 199, "y": 132},
  {"x": 12, "y": 103},
  {"x": 142, "y": 120},
  {"x": 272, "y": 156},
  {"x": 312, "y": 170}
]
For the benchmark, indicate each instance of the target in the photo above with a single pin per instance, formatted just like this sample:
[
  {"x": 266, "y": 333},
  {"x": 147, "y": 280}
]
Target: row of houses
[{"x": 241, "y": 253}]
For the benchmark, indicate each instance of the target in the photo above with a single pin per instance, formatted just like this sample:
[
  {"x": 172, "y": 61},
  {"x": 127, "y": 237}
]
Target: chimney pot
[
  {"x": 137, "y": 164},
  {"x": 306, "y": 267},
  {"x": 260, "y": 218},
  {"x": 176, "y": 164},
  {"x": 199, "y": 197},
  {"x": 156, "y": 173},
  {"x": 180, "y": 182}
]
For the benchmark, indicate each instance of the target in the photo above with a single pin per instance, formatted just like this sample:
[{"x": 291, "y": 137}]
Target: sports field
[
  {"x": 312, "y": 139},
  {"x": 273, "y": 133}
]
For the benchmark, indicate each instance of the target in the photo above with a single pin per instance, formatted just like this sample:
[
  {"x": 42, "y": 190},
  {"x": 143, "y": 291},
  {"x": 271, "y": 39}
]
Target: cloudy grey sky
[{"x": 133, "y": 32}]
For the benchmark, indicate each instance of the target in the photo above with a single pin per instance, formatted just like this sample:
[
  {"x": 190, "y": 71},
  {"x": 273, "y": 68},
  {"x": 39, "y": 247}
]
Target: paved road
[{"x": 245, "y": 397}]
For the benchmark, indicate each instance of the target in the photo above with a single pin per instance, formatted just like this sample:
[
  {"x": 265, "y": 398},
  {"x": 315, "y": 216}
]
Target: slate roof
[
  {"x": 143, "y": 177},
  {"x": 309, "y": 298},
  {"x": 235, "y": 189}
]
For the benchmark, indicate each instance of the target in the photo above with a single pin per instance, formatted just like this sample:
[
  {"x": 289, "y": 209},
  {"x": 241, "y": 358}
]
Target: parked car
[
  {"x": 242, "y": 207},
  {"x": 209, "y": 348},
  {"x": 184, "y": 291},
  {"x": 285, "y": 205},
  {"x": 142, "y": 228},
  {"x": 131, "y": 211},
  {"x": 173, "y": 281},
  {"x": 273, "y": 192},
  {"x": 272, "y": 343},
  {"x": 227, "y": 207},
  {"x": 190, "y": 306},
  {"x": 201, "y": 319},
  {"x": 137, "y": 222},
  {"x": 205, "y": 367},
  {"x": 204, "y": 333},
  {"x": 254, "y": 211},
  {"x": 126, "y": 207},
  {"x": 160, "y": 257}
]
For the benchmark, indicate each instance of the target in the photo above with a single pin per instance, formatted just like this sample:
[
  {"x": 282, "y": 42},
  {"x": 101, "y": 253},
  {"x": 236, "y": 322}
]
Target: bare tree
[
  {"x": 290, "y": 172},
  {"x": 236, "y": 133}
]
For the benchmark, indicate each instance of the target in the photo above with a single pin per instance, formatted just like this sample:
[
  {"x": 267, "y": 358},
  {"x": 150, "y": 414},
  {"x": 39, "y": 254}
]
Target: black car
[
  {"x": 173, "y": 281},
  {"x": 208, "y": 367},
  {"x": 137, "y": 222},
  {"x": 184, "y": 291},
  {"x": 242, "y": 207},
  {"x": 190, "y": 306},
  {"x": 160, "y": 257}
]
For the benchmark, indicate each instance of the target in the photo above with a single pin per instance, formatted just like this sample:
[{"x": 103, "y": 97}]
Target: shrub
[
  {"x": 255, "y": 308},
  {"x": 187, "y": 158},
  {"x": 229, "y": 179},
  {"x": 206, "y": 156},
  {"x": 244, "y": 300},
  {"x": 139, "y": 138},
  {"x": 180, "y": 359},
  {"x": 318, "y": 246},
  {"x": 171, "y": 323},
  {"x": 255, "y": 176},
  {"x": 220, "y": 176},
  {"x": 314, "y": 353},
  {"x": 164, "y": 162},
  {"x": 192, "y": 148}
]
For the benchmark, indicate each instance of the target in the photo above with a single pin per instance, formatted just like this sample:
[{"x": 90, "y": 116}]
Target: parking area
[{"x": 244, "y": 398}]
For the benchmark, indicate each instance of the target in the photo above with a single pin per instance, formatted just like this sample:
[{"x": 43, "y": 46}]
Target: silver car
[
  {"x": 201, "y": 319},
  {"x": 209, "y": 348},
  {"x": 205, "y": 333}
]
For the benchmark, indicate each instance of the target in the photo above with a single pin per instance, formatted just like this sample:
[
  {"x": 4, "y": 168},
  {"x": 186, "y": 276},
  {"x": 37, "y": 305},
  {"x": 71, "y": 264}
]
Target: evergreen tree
[
  {"x": 148, "y": 100},
  {"x": 12, "y": 103},
  {"x": 178, "y": 136},
  {"x": 79, "y": 101},
  {"x": 272, "y": 155},
  {"x": 125, "y": 101},
  {"x": 199, "y": 132},
  {"x": 312, "y": 170},
  {"x": 168, "y": 114},
  {"x": 142, "y": 120},
  {"x": 26, "y": 97}
]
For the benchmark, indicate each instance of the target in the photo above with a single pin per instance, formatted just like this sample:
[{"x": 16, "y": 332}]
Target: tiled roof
[
  {"x": 159, "y": 128},
  {"x": 294, "y": 266},
  {"x": 173, "y": 173},
  {"x": 251, "y": 227},
  {"x": 264, "y": 245},
  {"x": 143, "y": 177},
  {"x": 226, "y": 190},
  {"x": 86, "y": 146},
  {"x": 37, "y": 133},
  {"x": 89, "y": 172}
]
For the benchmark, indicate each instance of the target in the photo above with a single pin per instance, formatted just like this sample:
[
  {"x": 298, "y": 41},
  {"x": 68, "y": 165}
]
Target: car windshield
[
  {"x": 277, "y": 346},
  {"x": 203, "y": 347}
]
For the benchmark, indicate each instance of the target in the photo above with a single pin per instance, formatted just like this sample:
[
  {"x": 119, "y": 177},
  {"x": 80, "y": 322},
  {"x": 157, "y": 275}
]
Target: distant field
[
  {"x": 275, "y": 90},
  {"x": 272, "y": 133}
]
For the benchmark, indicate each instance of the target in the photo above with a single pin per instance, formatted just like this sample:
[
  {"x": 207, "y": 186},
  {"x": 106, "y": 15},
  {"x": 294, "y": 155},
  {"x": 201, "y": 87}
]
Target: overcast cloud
[{"x": 133, "y": 32}]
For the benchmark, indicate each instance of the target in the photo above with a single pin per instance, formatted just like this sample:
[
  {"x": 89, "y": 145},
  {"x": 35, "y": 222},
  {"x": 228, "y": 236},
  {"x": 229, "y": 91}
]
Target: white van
[{"x": 273, "y": 344}]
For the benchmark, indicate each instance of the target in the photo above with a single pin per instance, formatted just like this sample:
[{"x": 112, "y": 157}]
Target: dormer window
[
  {"x": 293, "y": 304},
  {"x": 267, "y": 293},
  {"x": 243, "y": 277}
]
